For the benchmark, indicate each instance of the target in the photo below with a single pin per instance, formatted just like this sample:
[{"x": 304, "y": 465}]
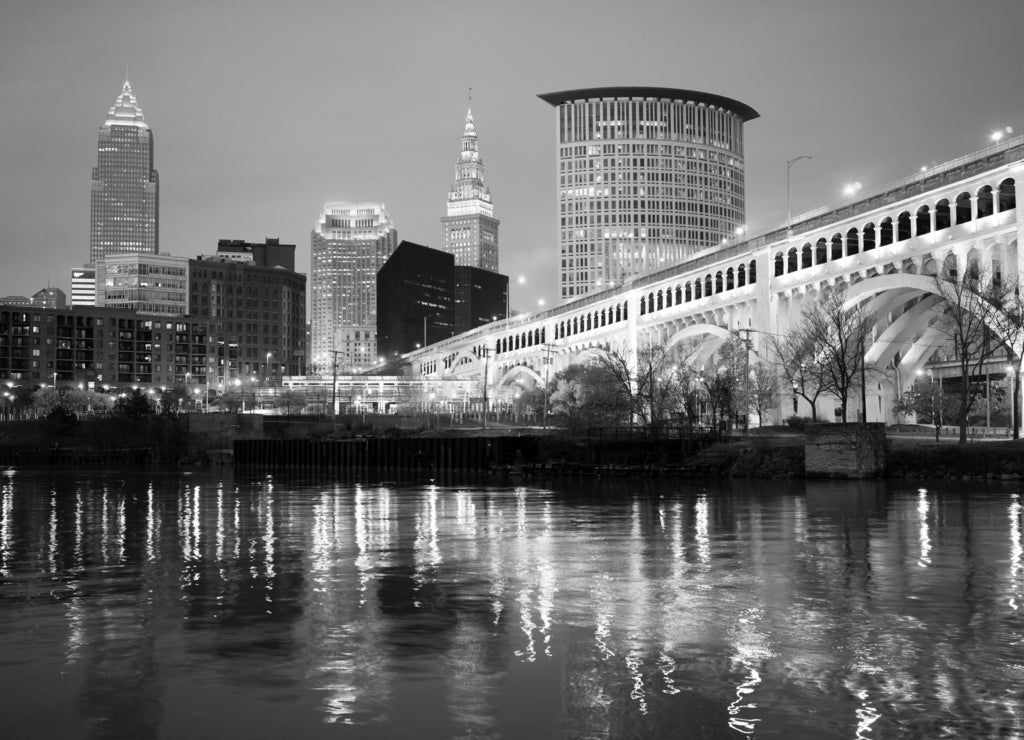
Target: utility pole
[
  {"x": 745, "y": 338},
  {"x": 548, "y": 349},
  {"x": 334, "y": 381},
  {"x": 486, "y": 352}
]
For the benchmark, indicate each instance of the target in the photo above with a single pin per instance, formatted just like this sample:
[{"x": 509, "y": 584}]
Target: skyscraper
[
  {"x": 646, "y": 177},
  {"x": 470, "y": 228},
  {"x": 349, "y": 243},
  {"x": 125, "y": 189}
]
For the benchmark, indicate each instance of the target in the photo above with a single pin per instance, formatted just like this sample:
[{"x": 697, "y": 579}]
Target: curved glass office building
[{"x": 646, "y": 177}]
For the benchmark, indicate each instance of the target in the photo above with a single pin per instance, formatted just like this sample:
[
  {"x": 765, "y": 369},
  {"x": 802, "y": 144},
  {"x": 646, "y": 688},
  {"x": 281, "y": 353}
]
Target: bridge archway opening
[
  {"x": 903, "y": 231},
  {"x": 924, "y": 221},
  {"x": 942, "y": 215},
  {"x": 518, "y": 372},
  {"x": 1007, "y": 194},
  {"x": 963, "y": 208},
  {"x": 985, "y": 201}
]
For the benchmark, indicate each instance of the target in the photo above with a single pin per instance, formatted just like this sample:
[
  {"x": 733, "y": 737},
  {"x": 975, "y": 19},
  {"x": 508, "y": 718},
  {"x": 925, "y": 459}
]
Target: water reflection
[{"x": 155, "y": 603}]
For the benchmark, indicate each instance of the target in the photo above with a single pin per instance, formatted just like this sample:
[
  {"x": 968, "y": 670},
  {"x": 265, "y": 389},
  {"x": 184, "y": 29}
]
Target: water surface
[{"x": 187, "y": 606}]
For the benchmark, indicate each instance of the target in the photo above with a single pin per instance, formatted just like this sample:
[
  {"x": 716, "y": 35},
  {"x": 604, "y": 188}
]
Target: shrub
[{"x": 799, "y": 423}]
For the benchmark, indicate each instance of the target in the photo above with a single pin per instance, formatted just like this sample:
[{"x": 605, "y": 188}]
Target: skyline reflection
[{"x": 614, "y": 610}]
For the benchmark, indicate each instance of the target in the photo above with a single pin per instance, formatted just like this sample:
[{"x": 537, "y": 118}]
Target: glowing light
[
  {"x": 851, "y": 188},
  {"x": 1000, "y": 134}
]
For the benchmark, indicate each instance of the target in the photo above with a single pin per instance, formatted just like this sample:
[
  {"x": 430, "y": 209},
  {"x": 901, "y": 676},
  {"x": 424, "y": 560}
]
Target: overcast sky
[{"x": 262, "y": 111}]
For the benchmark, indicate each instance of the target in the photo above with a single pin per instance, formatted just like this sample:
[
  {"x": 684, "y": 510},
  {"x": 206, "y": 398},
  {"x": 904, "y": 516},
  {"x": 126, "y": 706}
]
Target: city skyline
[{"x": 871, "y": 92}]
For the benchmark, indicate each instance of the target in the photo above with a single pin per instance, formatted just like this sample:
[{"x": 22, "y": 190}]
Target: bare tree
[
  {"x": 653, "y": 381},
  {"x": 836, "y": 335},
  {"x": 968, "y": 313},
  {"x": 583, "y": 396},
  {"x": 764, "y": 389},
  {"x": 1007, "y": 319},
  {"x": 799, "y": 366}
]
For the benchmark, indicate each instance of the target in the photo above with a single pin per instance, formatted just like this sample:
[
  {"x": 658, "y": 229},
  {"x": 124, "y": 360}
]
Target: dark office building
[
  {"x": 255, "y": 305},
  {"x": 481, "y": 296},
  {"x": 423, "y": 298},
  {"x": 415, "y": 288}
]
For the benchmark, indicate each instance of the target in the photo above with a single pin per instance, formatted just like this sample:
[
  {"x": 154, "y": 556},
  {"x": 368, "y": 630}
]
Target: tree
[
  {"x": 654, "y": 386},
  {"x": 172, "y": 399},
  {"x": 60, "y": 422},
  {"x": 929, "y": 404},
  {"x": 583, "y": 396},
  {"x": 720, "y": 389},
  {"x": 835, "y": 336},
  {"x": 968, "y": 312},
  {"x": 798, "y": 363},
  {"x": 1007, "y": 319},
  {"x": 764, "y": 389},
  {"x": 230, "y": 400},
  {"x": 135, "y": 405}
]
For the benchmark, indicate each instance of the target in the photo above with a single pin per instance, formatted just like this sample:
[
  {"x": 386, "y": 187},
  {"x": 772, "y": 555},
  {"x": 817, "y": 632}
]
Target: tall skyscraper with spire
[
  {"x": 125, "y": 188},
  {"x": 470, "y": 228}
]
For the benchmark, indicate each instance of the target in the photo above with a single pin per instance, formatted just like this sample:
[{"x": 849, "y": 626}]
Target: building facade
[
  {"x": 125, "y": 187},
  {"x": 83, "y": 286},
  {"x": 414, "y": 289},
  {"x": 470, "y": 228},
  {"x": 256, "y": 312},
  {"x": 426, "y": 298},
  {"x": 646, "y": 177},
  {"x": 271, "y": 253},
  {"x": 349, "y": 244},
  {"x": 100, "y": 347},
  {"x": 154, "y": 284},
  {"x": 480, "y": 297},
  {"x": 50, "y": 298}
]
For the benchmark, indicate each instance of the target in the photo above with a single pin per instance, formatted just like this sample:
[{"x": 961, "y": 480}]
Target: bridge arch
[
  {"x": 518, "y": 371},
  {"x": 460, "y": 361}
]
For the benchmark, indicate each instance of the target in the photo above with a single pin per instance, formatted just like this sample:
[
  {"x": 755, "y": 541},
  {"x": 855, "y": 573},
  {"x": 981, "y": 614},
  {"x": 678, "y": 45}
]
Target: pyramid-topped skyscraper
[
  {"x": 470, "y": 228},
  {"x": 125, "y": 188}
]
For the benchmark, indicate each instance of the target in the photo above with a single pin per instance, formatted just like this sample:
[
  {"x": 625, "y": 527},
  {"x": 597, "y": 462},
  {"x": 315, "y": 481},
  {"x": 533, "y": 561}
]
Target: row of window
[{"x": 925, "y": 220}]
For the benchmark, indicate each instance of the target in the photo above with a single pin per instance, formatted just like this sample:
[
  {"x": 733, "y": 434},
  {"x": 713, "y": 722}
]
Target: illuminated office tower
[
  {"x": 349, "y": 243},
  {"x": 470, "y": 228},
  {"x": 647, "y": 176},
  {"x": 125, "y": 189}
]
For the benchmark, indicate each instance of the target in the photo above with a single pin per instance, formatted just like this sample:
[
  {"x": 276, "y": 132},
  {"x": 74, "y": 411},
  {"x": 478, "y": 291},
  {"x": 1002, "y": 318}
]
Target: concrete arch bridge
[{"x": 881, "y": 248}]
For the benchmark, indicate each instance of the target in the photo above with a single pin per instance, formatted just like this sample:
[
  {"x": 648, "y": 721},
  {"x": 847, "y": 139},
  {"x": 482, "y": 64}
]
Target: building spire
[{"x": 126, "y": 110}]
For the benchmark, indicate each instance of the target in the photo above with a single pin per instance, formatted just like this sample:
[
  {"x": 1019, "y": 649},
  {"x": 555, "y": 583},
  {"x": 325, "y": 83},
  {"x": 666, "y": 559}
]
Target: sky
[{"x": 263, "y": 111}]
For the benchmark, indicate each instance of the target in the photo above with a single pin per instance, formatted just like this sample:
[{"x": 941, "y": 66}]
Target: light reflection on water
[{"x": 164, "y": 605}]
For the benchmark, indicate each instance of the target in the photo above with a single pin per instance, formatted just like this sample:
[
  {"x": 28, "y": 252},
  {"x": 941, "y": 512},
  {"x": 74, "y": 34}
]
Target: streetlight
[
  {"x": 998, "y": 135},
  {"x": 851, "y": 189},
  {"x": 426, "y": 318},
  {"x": 789, "y": 166}
]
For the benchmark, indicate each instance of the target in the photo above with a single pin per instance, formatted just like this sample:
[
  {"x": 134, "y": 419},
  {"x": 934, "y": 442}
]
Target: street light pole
[
  {"x": 486, "y": 351},
  {"x": 425, "y": 319},
  {"x": 745, "y": 338},
  {"x": 789, "y": 166},
  {"x": 548, "y": 349}
]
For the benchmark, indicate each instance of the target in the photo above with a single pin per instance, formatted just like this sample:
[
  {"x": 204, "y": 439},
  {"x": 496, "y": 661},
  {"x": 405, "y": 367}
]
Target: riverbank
[{"x": 338, "y": 445}]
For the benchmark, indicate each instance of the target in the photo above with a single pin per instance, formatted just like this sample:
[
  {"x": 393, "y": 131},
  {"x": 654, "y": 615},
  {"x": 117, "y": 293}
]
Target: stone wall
[{"x": 845, "y": 450}]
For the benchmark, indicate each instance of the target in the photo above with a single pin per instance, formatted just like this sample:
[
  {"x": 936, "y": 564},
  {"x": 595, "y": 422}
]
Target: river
[{"x": 145, "y": 605}]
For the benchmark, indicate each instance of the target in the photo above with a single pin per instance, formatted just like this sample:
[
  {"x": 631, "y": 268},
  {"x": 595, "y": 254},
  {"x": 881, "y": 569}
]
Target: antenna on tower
[{"x": 471, "y": 95}]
